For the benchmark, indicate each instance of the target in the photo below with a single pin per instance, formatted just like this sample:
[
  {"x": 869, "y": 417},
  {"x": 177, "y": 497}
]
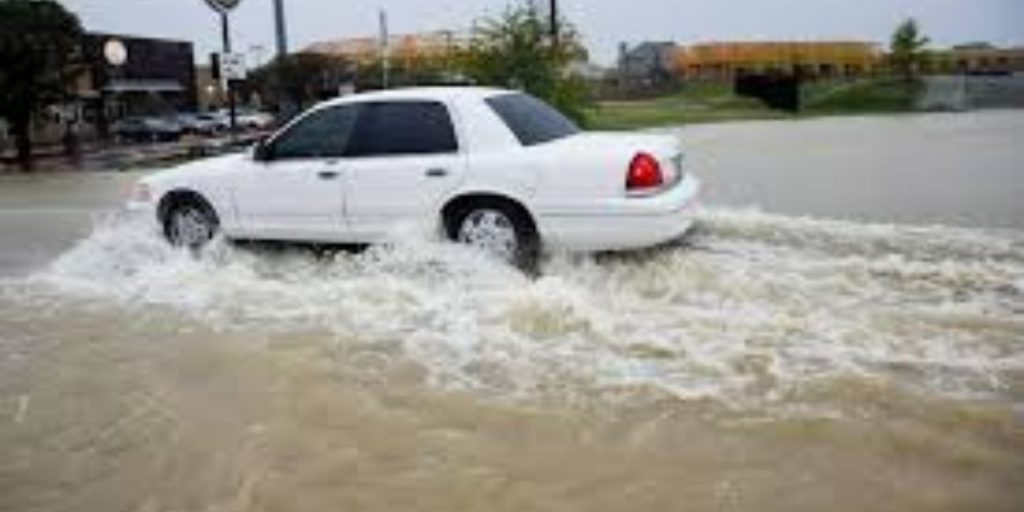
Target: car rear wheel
[
  {"x": 500, "y": 230},
  {"x": 190, "y": 223}
]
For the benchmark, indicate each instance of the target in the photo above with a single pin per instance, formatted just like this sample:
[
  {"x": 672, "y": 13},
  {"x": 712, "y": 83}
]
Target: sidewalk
[{"x": 112, "y": 156}]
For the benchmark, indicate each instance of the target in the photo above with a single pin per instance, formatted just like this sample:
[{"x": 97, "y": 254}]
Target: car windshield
[{"x": 531, "y": 120}]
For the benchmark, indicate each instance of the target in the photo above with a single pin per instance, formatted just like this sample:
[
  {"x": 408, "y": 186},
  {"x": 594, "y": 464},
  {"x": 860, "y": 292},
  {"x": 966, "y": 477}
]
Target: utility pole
[
  {"x": 282, "y": 30},
  {"x": 385, "y": 64},
  {"x": 554, "y": 22},
  {"x": 449, "y": 44}
]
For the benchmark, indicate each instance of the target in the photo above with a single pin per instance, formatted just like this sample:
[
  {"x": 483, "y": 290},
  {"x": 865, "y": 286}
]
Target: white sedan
[{"x": 496, "y": 169}]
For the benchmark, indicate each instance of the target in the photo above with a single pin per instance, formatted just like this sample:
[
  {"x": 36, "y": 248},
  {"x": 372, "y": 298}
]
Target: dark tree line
[{"x": 39, "y": 49}]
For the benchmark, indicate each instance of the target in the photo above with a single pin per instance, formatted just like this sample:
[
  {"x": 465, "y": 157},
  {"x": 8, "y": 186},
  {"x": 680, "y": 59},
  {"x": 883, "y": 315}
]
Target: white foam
[{"x": 758, "y": 304}]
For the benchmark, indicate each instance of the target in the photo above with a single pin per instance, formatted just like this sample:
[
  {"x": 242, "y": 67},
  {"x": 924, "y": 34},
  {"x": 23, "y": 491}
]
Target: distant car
[
  {"x": 218, "y": 118},
  {"x": 201, "y": 124},
  {"x": 254, "y": 120},
  {"x": 247, "y": 119},
  {"x": 495, "y": 169},
  {"x": 147, "y": 129}
]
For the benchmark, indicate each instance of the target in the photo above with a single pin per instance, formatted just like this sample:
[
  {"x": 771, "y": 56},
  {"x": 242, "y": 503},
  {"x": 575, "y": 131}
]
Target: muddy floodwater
[{"x": 844, "y": 331}]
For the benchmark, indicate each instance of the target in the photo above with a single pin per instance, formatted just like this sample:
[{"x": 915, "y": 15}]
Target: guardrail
[{"x": 133, "y": 156}]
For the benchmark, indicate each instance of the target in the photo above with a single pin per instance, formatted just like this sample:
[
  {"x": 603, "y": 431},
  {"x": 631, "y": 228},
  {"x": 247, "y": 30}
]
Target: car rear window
[
  {"x": 531, "y": 120},
  {"x": 402, "y": 128}
]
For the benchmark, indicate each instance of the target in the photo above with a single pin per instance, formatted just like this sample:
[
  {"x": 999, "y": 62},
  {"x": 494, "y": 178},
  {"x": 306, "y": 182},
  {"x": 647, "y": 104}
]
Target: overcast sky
[{"x": 603, "y": 23}]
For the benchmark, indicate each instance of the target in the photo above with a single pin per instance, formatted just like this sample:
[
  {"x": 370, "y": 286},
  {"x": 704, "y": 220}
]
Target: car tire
[
  {"x": 190, "y": 222},
  {"x": 500, "y": 228}
]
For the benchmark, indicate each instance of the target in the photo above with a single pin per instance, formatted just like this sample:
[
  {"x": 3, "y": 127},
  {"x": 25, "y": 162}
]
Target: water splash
[{"x": 752, "y": 307}]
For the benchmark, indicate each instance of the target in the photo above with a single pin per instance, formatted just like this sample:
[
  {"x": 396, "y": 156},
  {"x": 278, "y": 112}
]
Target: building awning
[{"x": 139, "y": 85}]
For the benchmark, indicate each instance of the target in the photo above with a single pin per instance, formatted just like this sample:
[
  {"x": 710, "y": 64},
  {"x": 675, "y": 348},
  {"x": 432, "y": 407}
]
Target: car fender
[
  {"x": 521, "y": 195},
  {"x": 203, "y": 177}
]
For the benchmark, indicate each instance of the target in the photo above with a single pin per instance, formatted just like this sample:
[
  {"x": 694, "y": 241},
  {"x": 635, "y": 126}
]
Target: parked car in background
[
  {"x": 150, "y": 129},
  {"x": 494, "y": 169},
  {"x": 220, "y": 118},
  {"x": 254, "y": 119},
  {"x": 247, "y": 119},
  {"x": 201, "y": 123}
]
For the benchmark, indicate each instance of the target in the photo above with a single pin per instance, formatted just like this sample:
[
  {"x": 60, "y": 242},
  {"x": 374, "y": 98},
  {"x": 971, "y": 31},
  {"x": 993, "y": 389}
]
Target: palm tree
[{"x": 906, "y": 49}]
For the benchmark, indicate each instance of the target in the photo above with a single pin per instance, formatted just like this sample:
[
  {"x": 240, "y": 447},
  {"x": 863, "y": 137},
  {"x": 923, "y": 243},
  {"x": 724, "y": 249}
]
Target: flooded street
[{"x": 855, "y": 342}]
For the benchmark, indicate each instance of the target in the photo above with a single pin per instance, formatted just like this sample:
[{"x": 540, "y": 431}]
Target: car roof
[{"x": 445, "y": 94}]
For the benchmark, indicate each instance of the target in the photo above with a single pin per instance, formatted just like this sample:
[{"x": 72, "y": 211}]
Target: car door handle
[
  {"x": 436, "y": 173},
  {"x": 327, "y": 175}
]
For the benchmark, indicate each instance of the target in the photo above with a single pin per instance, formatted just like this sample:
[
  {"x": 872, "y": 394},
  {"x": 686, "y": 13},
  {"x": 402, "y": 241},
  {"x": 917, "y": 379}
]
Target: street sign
[
  {"x": 232, "y": 66},
  {"x": 115, "y": 52},
  {"x": 223, "y": 6}
]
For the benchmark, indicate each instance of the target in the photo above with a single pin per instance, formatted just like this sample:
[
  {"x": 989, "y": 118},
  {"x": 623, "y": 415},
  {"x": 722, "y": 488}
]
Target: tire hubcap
[
  {"x": 491, "y": 231},
  {"x": 190, "y": 227}
]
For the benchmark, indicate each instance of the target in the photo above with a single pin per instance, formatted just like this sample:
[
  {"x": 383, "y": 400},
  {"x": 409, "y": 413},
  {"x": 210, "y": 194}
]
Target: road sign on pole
[
  {"x": 115, "y": 52},
  {"x": 232, "y": 66},
  {"x": 223, "y": 6}
]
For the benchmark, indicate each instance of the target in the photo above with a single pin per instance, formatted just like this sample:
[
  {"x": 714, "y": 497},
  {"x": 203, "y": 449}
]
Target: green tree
[
  {"x": 907, "y": 49},
  {"x": 39, "y": 42},
  {"x": 515, "y": 50}
]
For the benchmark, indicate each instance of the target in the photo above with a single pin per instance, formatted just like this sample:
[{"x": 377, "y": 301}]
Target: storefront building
[{"x": 135, "y": 76}]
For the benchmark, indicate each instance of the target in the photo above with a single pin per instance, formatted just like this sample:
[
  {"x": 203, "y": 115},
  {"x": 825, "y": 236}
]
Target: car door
[
  {"x": 402, "y": 158},
  {"x": 296, "y": 189}
]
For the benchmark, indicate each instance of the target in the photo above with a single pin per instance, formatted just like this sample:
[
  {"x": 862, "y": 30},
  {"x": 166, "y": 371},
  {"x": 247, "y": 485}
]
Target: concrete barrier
[{"x": 965, "y": 92}]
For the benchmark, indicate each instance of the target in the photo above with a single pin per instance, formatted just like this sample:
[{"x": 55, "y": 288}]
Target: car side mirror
[{"x": 262, "y": 151}]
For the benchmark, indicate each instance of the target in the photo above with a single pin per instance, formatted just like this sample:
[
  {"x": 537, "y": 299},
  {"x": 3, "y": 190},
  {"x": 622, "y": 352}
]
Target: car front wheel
[
  {"x": 190, "y": 224},
  {"x": 498, "y": 229}
]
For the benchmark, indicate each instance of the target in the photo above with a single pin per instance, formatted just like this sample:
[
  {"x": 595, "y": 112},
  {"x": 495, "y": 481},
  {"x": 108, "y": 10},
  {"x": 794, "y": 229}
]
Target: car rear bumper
[{"x": 625, "y": 223}]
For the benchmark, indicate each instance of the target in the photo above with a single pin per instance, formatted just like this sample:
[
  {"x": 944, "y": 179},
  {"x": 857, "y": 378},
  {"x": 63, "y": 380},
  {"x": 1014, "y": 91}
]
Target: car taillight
[{"x": 644, "y": 174}]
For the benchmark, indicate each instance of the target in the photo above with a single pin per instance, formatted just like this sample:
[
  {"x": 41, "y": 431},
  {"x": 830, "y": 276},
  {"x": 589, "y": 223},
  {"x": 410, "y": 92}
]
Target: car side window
[
  {"x": 403, "y": 128},
  {"x": 323, "y": 133}
]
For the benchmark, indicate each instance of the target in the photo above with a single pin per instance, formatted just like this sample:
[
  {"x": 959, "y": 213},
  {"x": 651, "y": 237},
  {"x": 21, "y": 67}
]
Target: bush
[{"x": 514, "y": 50}]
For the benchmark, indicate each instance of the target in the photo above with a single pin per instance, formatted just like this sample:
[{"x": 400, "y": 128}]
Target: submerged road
[{"x": 856, "y": 343}]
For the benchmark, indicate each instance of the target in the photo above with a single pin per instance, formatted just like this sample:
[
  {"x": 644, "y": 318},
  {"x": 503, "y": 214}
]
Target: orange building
[{"x": 725, "y": 60}]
